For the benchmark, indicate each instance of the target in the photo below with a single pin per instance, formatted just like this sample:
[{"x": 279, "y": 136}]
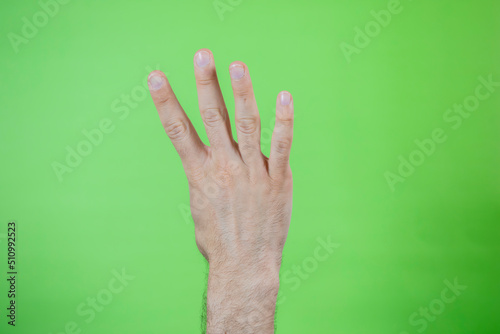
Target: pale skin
[{"x": 241, "y": 200}]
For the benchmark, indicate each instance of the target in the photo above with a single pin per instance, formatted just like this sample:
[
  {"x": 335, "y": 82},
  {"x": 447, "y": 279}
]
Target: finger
[
  {"x": 281, "y": 142},
  {"x": 175, "y": 122},
  {"x": 247, "y": 117},
  {"x": 212, "y": 107}
]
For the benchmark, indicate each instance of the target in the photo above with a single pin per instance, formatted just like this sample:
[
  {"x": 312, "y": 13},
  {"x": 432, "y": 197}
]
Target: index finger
[{"x": 175, "y": 122}]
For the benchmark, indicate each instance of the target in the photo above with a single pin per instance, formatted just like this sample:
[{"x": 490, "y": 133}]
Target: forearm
[{"x": 241, "y": 300}]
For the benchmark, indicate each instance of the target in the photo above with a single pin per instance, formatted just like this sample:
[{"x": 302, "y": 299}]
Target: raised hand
[{"x": 241, "y": 201}]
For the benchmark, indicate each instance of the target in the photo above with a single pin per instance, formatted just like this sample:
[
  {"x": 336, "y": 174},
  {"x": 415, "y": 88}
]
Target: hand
[{"x": 241, "y": 201}]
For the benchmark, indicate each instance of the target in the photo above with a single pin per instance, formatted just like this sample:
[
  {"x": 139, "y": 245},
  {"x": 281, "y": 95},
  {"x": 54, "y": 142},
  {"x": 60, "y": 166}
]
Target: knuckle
[
  {"x": 285, "y": 123},
  {"x": 176, "y": 129},
  {"x": 285, "y": 115},
  {"x": 225, "y": 173},
  {"x": 283, "y": 181},
  {"x": 206, "y": 81},
  {"x": 164, "y": 100},
  {"x": 195, "y": 175},
  {"x": 283, "y": 146},
  {"x": 224, "y": 178},
  {"x": 255, "y": 177},
  {"x": 247, "y": 125},
  {"x": 212, "y": 116},
  {"x": 243, "y": 93},
  {"x": 249, "y": 148}
]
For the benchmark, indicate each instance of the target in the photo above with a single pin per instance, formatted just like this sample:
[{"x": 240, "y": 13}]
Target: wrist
[
  {"x": 242, "y": 296},
  {"x": 255, "y": 281},
  {"x": 252, "y": 280},
  {"x": 267, "y": 267}
]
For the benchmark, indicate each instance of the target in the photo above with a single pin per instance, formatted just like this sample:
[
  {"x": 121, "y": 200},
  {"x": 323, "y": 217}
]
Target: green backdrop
[{"x": 396, "y": 161}]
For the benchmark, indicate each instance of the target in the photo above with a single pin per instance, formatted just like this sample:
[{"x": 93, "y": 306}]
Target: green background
[{"x": 124, "y": 205}]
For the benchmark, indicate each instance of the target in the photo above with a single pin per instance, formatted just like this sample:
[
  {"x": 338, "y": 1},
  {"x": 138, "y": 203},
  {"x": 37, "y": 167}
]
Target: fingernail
[
  {"x": 237, "y": 71},
  {"x": 155, "y": 82},
  {"x": 202, "y": 58},
  {"x": 285, "y": 98}
]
